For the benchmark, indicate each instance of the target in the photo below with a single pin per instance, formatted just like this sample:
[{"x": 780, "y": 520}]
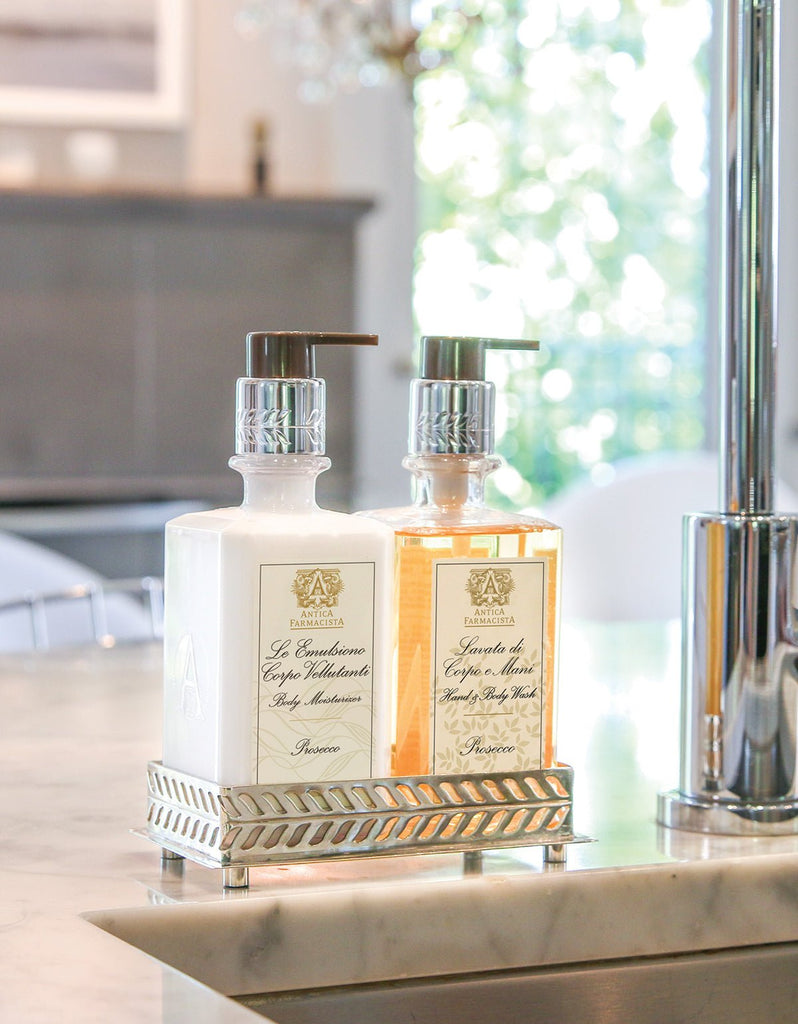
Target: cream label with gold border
[{"x": 487, "y": 691}]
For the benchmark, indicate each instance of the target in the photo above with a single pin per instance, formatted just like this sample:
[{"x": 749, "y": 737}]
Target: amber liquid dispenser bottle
[{"x": 476, "y": 589}]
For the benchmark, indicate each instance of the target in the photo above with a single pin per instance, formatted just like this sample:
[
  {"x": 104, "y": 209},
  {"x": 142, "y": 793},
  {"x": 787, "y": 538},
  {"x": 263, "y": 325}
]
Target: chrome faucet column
[{"x": 739, "y": 654}]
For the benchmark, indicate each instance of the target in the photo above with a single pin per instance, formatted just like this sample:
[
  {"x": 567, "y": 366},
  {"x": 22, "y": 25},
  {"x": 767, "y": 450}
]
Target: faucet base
[
  {"x": 726, "y": 816},
  {"x": 739, "y": 674}
]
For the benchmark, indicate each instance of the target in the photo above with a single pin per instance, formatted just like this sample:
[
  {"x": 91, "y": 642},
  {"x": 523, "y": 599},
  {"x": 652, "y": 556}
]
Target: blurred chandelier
[{"x": 343, "y": 45}]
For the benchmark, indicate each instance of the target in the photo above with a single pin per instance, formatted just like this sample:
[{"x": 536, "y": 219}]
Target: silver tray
[{"x": 238, "y": 827}]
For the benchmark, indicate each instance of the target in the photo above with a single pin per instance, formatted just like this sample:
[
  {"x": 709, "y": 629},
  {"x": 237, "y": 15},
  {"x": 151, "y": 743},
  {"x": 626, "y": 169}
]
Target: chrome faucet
[{"x": 740, "y": 570}]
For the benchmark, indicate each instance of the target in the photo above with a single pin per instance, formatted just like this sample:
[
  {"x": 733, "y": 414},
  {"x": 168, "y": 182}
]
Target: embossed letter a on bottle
[{"x": 190, "y": 702}]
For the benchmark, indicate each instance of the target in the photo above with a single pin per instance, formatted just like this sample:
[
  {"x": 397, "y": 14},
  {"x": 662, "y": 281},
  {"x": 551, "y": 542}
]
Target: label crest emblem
[
  {"x": 490, "y": 588},
  {"x": 317, "y": 588}
]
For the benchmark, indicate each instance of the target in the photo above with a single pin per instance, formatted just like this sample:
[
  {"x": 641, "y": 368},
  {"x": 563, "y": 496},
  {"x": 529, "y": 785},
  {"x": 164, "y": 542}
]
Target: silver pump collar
[
  {"x": 451, "y": 403},
  {"x": 281, "y": 404}
]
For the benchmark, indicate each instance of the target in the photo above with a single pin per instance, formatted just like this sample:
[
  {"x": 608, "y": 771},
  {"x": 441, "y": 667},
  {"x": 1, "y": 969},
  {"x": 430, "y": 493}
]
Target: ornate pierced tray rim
[{"x": 248, "y": 826}]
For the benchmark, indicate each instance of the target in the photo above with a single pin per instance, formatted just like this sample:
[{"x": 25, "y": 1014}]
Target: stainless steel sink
[{"x": 756, "y": 986}]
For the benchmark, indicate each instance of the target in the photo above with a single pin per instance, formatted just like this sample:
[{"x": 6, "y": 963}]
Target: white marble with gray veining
[{"x": 78, "y": 731}]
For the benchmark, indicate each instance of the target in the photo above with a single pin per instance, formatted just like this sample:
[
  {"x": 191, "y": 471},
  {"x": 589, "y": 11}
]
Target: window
[{"x": 562, "y": 158}]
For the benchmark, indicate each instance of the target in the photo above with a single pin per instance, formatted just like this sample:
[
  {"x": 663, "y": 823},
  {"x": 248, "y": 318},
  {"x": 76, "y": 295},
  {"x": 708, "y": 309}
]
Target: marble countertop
[{"x": 78, "y": 729}]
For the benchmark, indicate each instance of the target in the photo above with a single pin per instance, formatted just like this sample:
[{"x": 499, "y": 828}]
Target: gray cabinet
[{"x": 122, "y": 325}]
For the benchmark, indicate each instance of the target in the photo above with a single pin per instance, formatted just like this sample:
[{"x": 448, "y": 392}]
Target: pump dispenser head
[
  {"x": 451, "y": 403},
  {"x": 280, "y": 404}
]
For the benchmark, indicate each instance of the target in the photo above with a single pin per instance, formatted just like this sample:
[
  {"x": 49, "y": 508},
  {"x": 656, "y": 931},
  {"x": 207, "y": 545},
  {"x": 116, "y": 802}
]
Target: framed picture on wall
[{"x": 96, "y": 62}]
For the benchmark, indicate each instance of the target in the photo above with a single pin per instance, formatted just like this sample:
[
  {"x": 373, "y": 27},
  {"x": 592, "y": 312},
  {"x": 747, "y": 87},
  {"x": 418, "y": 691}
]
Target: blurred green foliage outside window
[{"x": 562, "y": 160}]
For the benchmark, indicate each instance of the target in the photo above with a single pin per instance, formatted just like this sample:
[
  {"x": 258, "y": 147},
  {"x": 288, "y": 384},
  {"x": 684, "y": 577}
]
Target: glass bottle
[
  {"x": 260, "y": 157},
  {"x": 277, "y": 612},
  {"x": 476, "y": 589}
]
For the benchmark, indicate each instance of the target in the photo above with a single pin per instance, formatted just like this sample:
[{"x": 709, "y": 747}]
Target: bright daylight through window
[{"x": 562, "y": 157}]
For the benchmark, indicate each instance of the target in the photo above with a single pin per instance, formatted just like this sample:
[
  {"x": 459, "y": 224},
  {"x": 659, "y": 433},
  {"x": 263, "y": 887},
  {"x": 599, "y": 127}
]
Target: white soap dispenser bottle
[{"x": 278, "y": 613}]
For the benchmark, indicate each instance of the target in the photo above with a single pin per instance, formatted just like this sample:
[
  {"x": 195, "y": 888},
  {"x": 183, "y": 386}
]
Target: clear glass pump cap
[
  {"x": 451, "y": 403},
  {"x": 281, "y": 404}
]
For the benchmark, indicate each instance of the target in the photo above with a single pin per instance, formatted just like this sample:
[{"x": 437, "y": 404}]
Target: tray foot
[
  {"x": 555, "y": 853},
  {"x": 236, "y": 878}
]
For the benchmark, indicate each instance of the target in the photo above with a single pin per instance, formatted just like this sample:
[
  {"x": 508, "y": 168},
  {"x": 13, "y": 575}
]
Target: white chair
[
  {"x": 48, "y": 600},
  {"x": 622, "y": 557}
]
